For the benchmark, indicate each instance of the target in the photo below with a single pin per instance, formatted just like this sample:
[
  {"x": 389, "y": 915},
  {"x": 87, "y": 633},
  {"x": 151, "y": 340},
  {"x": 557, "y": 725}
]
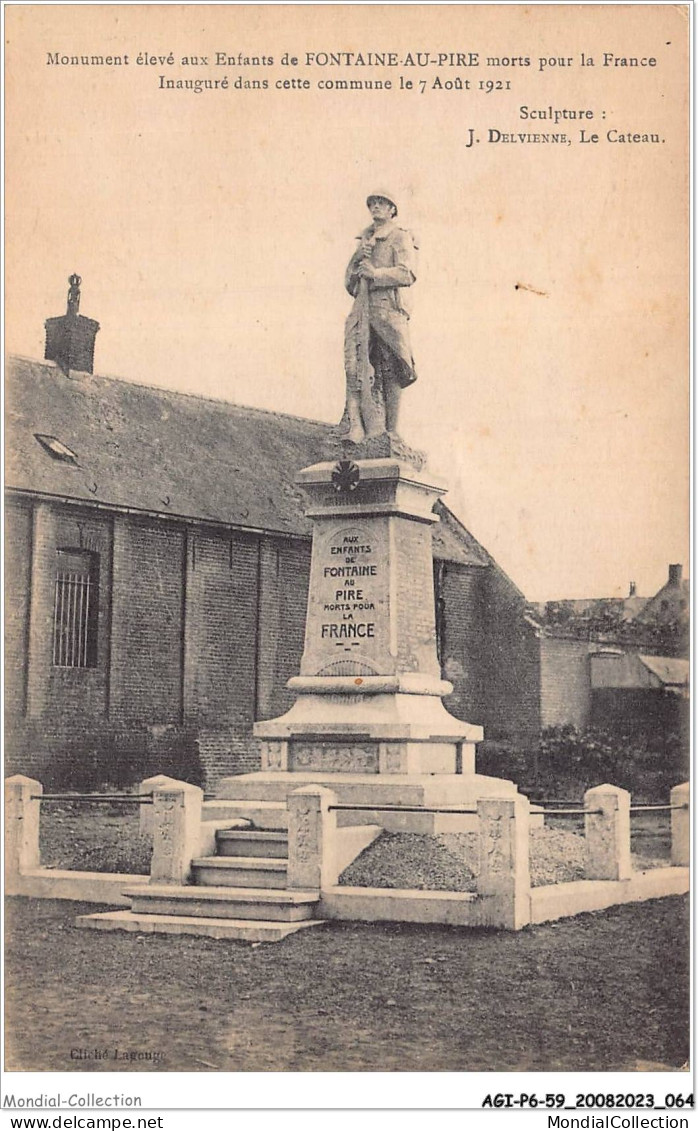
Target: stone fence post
[
  {"x": 176, "y": 831},
  {"x": 607, "y": 833},
  {"x": 505, "y": 878},
  {"x": 312, "y": 839},
  {"x": 21, "y": 828},
  {"x": 680, "y": 825},
  {"x": 149, "y": 785}
]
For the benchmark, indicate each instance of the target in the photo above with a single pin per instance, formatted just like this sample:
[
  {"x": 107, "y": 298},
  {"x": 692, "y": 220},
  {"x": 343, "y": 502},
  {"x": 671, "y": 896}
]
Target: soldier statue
[{"x": 377, "y": 355}]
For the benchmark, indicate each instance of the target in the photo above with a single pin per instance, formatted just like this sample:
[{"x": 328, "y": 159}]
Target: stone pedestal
[
  {"x": 176, "y": 831},
  {"x": 370, "y": 686},
  {"x": 22, "y": 815},
  {"x": 312, "y": 839},
  {"x": 504, "y": 879},
  {"x": 607, "y": 833},
  {"x": 680, "y": 825}
]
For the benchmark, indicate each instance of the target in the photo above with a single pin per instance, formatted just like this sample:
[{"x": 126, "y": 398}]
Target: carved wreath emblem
[{"x": 345, "y": 476}]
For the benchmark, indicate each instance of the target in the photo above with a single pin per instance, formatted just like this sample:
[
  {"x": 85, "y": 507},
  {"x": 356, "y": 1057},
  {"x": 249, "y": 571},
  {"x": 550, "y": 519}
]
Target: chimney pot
[
  {"x": 70, "y": 339},
  {"x": 633, "y": 589}
]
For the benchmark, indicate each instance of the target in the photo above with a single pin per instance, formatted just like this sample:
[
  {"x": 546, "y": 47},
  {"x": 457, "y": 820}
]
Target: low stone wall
[
  {"x": 84, "y": 887},
  {"x": 175, "y": 820},
  {"x": 377, "y": 905},
  {"x": 319, "y": 850},
  {"x": 504, "y": 897},
  {"x": 559, "y": 901},
  {"x": 503, "y": 883}
]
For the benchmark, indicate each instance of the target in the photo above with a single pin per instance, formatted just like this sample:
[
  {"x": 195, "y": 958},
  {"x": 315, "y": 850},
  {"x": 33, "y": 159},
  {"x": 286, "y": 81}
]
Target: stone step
[
  {"x": 393, "y": 789},
  {"x": 256, "y": 842},
  {"x": 262, "y": 814},
  {"x": 223, "y": 902},
  {"x": 258, "y": 930},
  {"x": 239, "y": 871}
]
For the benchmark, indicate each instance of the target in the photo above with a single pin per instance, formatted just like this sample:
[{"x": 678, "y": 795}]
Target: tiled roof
[
  {"x": 670, "y": 672},
  {"x": 670, "y": 602},
  {"x": 150, "y": 449},
  {"x": 629, "y": 607}
]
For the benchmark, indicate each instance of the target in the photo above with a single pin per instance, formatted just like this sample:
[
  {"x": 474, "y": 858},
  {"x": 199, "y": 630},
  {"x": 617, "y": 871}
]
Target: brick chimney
[
  {"x": 70, "y": 339},
  {"x": 675, "y": 574}
]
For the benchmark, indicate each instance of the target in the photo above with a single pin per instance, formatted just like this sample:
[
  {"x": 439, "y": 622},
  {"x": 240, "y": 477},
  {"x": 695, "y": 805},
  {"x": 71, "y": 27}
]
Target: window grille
[{"x": 75, "y": 610}]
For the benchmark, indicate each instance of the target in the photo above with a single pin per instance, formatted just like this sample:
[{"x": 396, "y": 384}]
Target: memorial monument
[{"x": 369, "y": 709}]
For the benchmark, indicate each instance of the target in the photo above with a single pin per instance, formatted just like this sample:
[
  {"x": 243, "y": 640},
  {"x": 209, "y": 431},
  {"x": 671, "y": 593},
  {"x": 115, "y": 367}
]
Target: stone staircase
[
  {"x": 255, "y": 858},
  {"x": 238, "y": 893},
  {"x": 236, "y": 886},
  {"x": 269, "y": 815}
]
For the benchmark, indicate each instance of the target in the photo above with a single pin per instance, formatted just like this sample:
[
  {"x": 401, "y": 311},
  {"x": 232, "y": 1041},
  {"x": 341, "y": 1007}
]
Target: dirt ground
[
  {"x": 101, "y": 838},
  {"x": 602, "y": 991}
]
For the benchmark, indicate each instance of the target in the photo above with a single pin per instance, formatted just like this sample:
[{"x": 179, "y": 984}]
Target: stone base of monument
[
  {"x": 386, "y": 446},
  {"x": 369, "y": 721},
  {"x": 382, "y": 733},
  {"x": 379, "y": 747},
  {"x": 417, "y": 803}
]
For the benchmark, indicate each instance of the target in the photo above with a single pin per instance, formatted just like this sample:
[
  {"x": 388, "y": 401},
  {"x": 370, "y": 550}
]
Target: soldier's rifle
[{"x": 365, "y": 373}]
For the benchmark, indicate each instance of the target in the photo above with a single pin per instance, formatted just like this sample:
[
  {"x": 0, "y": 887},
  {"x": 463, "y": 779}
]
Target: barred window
[{"x": 75, "y": 609}]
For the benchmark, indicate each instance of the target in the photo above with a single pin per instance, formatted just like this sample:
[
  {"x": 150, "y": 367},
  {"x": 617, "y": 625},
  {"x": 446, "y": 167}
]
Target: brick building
[{"x": 157, "y": 561}]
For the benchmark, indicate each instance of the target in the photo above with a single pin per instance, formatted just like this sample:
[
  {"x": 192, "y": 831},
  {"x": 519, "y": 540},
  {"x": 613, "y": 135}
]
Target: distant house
[
  {"x": 656, "y": 624},
  {"x": 157, "y": 563},
  {"x": 631, "y": 692},
  {"x": 603, "y": 661},
  {"x": 586, "y": 608},
  {"x": 671, "y": 604}
]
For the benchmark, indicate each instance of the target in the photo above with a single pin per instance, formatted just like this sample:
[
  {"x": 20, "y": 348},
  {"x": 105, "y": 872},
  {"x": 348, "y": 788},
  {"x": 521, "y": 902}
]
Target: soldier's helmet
[{"x": 384, "y": 195}]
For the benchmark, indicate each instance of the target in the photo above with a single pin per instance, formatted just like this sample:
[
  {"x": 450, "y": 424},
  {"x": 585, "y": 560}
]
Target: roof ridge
[
  {"x": 461, "y": 528},
  {"x": 145, "y": 447},
  {"x": 180, "y": 393}
]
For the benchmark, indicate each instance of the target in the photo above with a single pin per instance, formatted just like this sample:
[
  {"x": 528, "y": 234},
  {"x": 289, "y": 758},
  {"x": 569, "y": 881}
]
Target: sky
[{"x": 211, "y": 231}]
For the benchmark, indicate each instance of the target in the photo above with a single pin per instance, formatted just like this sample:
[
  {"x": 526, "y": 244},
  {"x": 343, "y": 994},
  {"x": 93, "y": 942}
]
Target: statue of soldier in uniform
[{"x": 377, "y": 355}]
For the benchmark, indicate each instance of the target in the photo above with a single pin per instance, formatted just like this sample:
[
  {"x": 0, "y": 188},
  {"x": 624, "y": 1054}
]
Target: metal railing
[
  {"x": 96, "y": 798},
  {"x": 580, "y": 812},
  {"x": 448, "y": 809},
  {"x": 566, "y": 812},
  {"x": 554, "y": 800},
  {"x": 147, "y": 799},
  {"x": 397, "y": 809},
  {"x": 655, "y": 808}
]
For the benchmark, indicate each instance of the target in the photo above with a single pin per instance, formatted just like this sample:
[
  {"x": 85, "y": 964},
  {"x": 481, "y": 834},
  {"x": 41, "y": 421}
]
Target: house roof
[
  {"x": 150, "y": 449},
  {"x": 669, "y": 603},
  {"x": 615, "y": 668},
  {"x": 669, "y": 671},
  {"x": 628, "y": 607}
]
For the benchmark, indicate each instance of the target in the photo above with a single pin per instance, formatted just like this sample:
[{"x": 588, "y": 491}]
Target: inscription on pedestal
[
  {"x": 349, "y": 589},
  {"x": 348, "y": 612}
]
